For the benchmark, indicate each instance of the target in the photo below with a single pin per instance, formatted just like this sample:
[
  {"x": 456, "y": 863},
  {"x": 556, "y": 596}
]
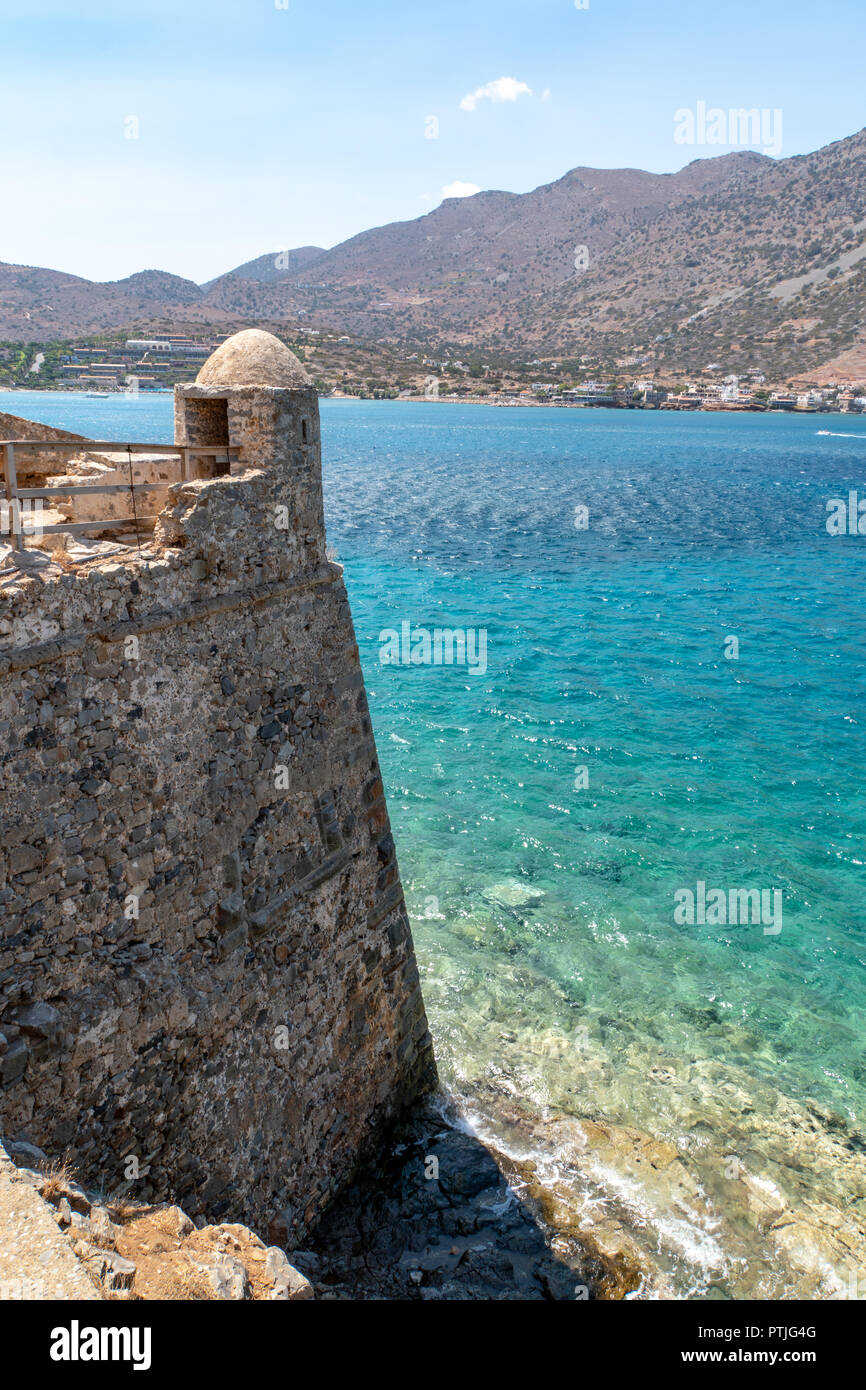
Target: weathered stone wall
[
  {"x": 114, "y": 470},
  {"x": 33, "y": 465},
  {"x": 205, "y": 959},
  {"x": 16, "y": 427},
  {"x": 275, "y": 427}
]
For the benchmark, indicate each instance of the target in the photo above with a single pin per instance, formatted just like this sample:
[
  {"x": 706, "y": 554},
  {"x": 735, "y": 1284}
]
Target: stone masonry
[{"x": 208, "y": 989}]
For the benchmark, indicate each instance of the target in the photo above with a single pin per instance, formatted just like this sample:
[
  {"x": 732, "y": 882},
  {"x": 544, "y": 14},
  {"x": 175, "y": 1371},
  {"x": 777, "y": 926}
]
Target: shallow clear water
[{"x": 555, "y": 970}]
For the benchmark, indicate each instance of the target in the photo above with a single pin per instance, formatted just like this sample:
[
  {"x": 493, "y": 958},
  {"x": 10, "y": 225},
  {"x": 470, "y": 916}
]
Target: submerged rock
[{"x": 511, "y": 893}]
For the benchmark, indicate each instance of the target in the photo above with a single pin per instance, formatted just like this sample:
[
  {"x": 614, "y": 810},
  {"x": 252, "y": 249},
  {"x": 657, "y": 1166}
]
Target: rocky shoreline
[
  {"x": 506, "y": 1205},
  {"x": 703, "y": 1166},
  {"x": 696, "y": 1220},
  {"x": 440, "y": 1216},
  {"x": 436, "y": 1215}
]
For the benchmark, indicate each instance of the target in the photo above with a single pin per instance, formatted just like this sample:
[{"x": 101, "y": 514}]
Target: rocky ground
[{"x": 122, "y": 1250}]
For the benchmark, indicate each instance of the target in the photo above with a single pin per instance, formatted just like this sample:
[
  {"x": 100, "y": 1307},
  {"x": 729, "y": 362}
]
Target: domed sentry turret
[
  {"x": 253, "y": 401},
  {"x": 254, "y": 404},
  {"x": 253, "y": 358}
]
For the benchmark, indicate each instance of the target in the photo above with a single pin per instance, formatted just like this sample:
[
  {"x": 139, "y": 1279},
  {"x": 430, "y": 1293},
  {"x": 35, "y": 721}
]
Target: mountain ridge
[{"x": 609, "y": 265}]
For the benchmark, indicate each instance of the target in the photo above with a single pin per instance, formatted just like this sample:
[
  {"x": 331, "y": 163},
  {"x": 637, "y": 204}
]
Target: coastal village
[{"x": 341, "y": 368}]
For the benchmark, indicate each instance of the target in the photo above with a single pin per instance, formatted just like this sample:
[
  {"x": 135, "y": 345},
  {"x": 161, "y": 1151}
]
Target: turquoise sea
[{"x": 561, "y": 987}]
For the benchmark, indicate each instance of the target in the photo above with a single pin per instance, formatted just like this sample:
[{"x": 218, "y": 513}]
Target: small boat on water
[{"x": 97, "y": 395}]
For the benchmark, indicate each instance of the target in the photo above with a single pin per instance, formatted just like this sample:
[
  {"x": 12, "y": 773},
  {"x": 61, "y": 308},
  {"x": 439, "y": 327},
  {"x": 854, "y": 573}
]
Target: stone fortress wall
[
  {"x": 208, "y": 989},
  {"x": 36, "y": 461}
]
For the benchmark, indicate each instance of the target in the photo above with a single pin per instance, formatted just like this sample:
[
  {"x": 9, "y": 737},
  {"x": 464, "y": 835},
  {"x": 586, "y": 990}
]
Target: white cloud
[
  {"x": 460, "y": 190},
  {"x": 503, "y": 89},
  {"x": 545, "y": 95}
]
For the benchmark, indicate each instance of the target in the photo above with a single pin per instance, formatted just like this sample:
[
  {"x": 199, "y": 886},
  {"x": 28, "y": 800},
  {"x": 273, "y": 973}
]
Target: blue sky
[{"x": 261, "y": 127}]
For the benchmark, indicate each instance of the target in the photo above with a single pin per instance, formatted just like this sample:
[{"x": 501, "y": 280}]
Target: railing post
[{"x": 14, "y": 504}]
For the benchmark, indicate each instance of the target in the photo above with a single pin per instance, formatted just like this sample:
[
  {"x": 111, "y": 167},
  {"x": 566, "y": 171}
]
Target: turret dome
[{"x": 253, "y": 358}]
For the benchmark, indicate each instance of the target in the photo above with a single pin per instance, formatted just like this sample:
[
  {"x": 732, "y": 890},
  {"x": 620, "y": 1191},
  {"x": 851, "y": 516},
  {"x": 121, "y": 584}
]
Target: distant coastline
[
  {"x": 527, "y": 401},
  {"x": 504, "y": 403}
]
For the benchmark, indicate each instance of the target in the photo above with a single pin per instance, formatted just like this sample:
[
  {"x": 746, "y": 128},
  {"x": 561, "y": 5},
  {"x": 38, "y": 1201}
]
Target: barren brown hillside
[{"x": 740, "y": 260}]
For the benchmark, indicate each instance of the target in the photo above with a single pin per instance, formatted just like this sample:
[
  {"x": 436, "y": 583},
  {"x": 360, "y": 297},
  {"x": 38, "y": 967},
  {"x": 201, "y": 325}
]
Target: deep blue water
[{"x": 544, "y": 909}]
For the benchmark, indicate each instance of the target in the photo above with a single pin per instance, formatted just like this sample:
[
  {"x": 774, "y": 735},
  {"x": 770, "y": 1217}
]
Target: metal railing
[{"x": 220, "y": 453}]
